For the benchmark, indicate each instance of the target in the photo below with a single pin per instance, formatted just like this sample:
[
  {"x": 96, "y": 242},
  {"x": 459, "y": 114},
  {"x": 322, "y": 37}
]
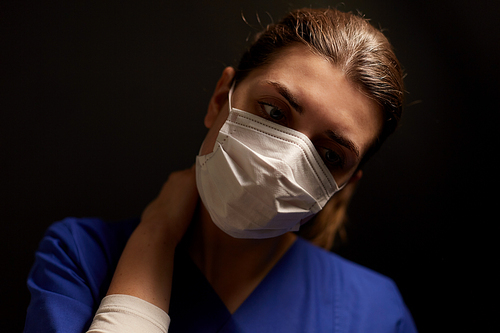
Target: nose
[{"x": 308, "y": 125}]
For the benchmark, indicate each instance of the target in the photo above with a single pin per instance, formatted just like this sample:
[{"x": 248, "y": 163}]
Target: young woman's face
[{"x": 305, "y": 92}]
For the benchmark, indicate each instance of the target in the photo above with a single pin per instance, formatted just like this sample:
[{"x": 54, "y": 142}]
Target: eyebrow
[
  {"x": 343, "y": 141},
  {"x": 285, "y": 92}
]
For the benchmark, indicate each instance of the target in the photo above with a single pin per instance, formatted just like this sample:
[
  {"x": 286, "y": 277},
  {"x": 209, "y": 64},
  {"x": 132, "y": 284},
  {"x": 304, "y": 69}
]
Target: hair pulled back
[
  {"x": 349, "y": 42},
  {"x": 366, "y": 58}
]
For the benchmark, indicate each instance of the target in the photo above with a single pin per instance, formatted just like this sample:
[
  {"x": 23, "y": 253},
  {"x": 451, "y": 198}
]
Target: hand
[{"x": 171, "y": 212}]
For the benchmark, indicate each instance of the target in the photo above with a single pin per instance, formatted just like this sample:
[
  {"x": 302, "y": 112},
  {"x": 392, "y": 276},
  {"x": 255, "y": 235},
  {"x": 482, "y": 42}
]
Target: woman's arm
[{"x": 146, "y": 265}]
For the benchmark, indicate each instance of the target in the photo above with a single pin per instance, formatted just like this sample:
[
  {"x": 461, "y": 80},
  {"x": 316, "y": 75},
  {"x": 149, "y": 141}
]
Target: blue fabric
[{"x": 309, "y": 289}]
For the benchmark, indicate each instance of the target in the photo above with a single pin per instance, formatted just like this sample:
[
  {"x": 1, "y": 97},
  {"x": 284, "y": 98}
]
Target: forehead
[{"x": 323, "y": 91}]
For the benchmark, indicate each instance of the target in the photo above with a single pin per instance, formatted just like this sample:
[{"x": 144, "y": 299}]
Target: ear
[
  {"x": 356, "y": 177},
  {"x": 220, "y": 96},
  {"x": 351, "y": 184}
]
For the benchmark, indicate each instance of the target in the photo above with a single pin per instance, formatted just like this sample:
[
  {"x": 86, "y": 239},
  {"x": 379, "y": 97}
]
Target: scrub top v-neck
[{"x": 277, "y": 302}]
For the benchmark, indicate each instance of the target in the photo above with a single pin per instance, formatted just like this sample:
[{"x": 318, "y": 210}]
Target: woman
[{"x": 310, "y": 101}]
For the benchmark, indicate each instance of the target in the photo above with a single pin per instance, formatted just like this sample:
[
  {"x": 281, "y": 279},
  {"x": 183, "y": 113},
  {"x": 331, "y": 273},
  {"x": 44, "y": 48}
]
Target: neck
[{"x": 234, "y": 267}]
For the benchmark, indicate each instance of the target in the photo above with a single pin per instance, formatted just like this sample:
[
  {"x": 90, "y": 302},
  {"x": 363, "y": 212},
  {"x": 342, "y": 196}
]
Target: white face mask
[{"x": 262, "y": 179}]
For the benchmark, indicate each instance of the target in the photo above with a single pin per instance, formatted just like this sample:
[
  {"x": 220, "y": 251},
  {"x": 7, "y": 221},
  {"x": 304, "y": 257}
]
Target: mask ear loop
[{"x": 230, "y": 95}]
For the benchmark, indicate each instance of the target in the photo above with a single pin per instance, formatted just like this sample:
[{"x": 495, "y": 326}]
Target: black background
[{"x": 101, "y": 101}]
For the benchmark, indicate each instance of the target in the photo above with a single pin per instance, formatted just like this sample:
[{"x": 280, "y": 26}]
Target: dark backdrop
[{"x": 100, "y": 102}]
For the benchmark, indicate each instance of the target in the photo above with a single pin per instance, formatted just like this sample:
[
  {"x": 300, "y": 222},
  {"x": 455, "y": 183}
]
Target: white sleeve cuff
[{"x": 129, "y": 314}]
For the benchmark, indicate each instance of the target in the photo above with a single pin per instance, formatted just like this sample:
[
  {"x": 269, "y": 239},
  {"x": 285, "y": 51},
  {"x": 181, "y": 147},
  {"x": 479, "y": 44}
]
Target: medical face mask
[{"x": 262, "y": 179}]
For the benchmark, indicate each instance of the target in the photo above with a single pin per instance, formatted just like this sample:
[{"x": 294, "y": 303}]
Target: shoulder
[
  {"x": 72, "y": 233},
  {"x": 361, "y": 296},
  {"x": 89, "y": 247},
  {"x": 90, "y": 243},
  {"x": 73, "y": 266}
]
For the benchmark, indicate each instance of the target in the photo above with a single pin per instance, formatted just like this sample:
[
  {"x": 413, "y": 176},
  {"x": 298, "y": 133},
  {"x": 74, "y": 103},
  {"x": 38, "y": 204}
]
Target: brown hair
[{"x": 366, "y": 58}]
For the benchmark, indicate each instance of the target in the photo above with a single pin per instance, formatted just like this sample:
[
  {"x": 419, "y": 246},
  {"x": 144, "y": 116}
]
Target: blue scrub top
[{"x": 308, "y": 290}]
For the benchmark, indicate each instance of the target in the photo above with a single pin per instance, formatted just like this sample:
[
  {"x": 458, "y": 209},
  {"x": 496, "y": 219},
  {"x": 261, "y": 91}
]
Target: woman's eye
[
  {"x": 273, "y": 112},
  {"x": 331, "y": 158}
]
